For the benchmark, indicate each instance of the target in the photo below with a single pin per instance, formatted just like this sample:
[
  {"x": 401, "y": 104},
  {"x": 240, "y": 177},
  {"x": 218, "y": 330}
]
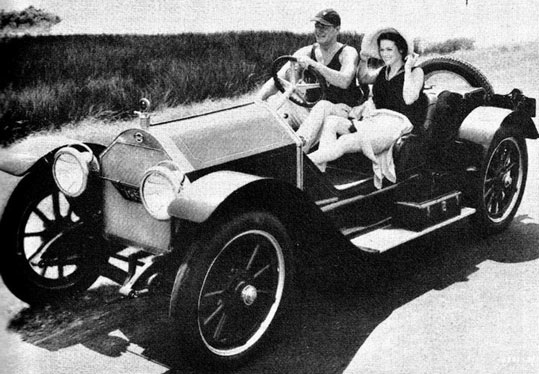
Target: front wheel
[
  {"x": 231, "y": 290},
  {"x": 52, "y": 250},
  {"x": 502, "y": 182}
]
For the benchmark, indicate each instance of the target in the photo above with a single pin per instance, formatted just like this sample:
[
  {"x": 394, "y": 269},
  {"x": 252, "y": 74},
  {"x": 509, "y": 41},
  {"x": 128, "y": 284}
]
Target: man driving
[{"x": 337, "y": 63}]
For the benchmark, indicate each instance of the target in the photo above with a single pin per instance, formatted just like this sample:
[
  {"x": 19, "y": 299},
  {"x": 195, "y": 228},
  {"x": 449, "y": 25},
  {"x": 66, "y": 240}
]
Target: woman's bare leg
[
  {"x": 310, "y": 129},
  {"x": 332, "y": 128},
  {"x": 347, "y": 143}
]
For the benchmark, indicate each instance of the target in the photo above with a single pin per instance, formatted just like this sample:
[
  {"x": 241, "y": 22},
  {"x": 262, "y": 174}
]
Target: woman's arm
[{"x": 413, "y": 80}]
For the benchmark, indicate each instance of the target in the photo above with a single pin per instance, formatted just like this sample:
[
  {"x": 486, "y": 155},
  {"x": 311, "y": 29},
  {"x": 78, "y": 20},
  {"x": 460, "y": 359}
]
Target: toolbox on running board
[{"x": 418, "y": 215}]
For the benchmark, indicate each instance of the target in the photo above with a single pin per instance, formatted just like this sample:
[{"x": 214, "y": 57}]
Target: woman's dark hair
[{"x": 399, "y": 41}]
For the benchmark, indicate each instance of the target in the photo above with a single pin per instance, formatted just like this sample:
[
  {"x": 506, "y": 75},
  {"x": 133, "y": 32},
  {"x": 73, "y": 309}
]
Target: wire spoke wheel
[
  {"x": 51, "y": 252},
  {"x": 45, "y": 239},
  {"x": 501, "y": 184},
  {"x": 232, "y": 288},
  {"x": 503, "y": 180},
  {"x": 241, "y": 292}
]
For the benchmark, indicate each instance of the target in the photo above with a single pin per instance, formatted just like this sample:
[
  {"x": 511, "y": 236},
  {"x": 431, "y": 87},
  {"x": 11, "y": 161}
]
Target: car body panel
[
  {"x": 237, "y": 133},
  {"x": 483, "y": 122},
  {"x": 123, "y": 165},
  {"x": 125, "y": 220},
  {"x": 237, "y": 142}
]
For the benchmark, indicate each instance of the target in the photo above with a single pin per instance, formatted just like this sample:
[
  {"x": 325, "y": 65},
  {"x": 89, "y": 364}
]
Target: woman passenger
[{"x": 399, "y": 105}]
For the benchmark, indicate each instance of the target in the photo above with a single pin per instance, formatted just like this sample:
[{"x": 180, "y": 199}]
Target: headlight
[
  {"x": 71, "y": 169},
  {"x": 160, "y": 185}
]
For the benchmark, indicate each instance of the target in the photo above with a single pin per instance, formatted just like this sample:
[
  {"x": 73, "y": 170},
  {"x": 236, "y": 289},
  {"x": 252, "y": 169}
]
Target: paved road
[{"x": 449, "y": 303}]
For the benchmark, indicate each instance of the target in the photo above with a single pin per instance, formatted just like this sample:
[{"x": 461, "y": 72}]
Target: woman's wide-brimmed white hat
[{"x": 369, "y": 44}]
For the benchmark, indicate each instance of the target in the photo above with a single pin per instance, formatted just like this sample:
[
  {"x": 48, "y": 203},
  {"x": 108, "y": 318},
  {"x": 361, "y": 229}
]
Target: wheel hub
[
  {"x": 59, "y": 247},
  {"x": 507, "y": 180},
  {"x": 249, "y": 294}
]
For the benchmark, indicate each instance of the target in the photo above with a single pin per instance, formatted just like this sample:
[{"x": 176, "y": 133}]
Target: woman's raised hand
[{"x": 410, "y": 61}]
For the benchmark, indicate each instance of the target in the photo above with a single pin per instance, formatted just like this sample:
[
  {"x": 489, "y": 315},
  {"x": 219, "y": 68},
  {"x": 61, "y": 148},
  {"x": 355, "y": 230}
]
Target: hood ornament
[{"x": 144, "y": 113}]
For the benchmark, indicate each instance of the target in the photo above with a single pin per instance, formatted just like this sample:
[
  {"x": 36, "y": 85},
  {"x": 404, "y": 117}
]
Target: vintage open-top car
[{"x": 219, "y": 209}]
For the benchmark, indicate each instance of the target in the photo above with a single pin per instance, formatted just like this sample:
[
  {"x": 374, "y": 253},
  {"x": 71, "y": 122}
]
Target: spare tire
[{"x": 444, "y": 72}]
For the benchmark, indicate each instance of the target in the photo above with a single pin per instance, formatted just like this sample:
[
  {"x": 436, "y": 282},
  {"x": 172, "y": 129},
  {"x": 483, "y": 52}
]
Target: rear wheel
[
  {"x": 502, "y": 182},
  {"x": 229, "y": 293}
]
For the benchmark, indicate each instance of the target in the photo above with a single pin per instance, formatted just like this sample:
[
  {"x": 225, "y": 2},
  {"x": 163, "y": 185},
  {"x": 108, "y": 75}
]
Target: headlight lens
[
  {"x": 71, "y": 169},
  {"x": 160, "y": 185}
]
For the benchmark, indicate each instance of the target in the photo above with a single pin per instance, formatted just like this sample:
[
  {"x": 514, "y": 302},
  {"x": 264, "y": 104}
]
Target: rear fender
[{"x": 482, "y": 124}]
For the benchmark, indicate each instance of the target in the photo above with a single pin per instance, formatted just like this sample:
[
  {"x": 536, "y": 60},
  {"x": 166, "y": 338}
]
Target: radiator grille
[
  {"x": 128, "y": 162},
  {"x": 123, "y": 166}
]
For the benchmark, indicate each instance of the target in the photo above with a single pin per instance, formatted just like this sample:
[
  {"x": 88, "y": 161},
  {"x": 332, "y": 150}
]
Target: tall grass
[{"x": 48, "y": 81}]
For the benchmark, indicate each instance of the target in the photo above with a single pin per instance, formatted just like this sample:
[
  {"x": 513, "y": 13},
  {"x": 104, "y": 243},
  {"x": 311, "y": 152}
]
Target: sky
[{"x": 486, "y": 21}]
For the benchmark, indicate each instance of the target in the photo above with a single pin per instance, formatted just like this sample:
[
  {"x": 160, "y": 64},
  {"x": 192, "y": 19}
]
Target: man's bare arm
[
  {"x": 339, "y": 78},
  {"x": 366, "y": 75},
  {"x": 268, "y": 89}
]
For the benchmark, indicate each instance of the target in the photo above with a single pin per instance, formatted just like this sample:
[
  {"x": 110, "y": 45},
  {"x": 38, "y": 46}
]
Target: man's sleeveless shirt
[{"x": 350, "y": 96}]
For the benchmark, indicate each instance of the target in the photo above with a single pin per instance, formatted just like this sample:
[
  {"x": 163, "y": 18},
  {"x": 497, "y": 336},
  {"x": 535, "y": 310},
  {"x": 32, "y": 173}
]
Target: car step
[{"x": 388, "y": 236}]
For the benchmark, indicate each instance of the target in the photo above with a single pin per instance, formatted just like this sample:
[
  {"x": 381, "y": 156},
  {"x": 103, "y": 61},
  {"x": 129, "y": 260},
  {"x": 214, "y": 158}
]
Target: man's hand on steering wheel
[
  {"x": 305, "y": 62},
  {"x": 303, "y": 86}
]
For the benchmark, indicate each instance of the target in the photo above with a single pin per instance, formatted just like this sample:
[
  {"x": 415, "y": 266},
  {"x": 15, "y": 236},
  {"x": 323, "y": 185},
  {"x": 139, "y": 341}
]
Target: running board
[{"x": 389, "y": 236}]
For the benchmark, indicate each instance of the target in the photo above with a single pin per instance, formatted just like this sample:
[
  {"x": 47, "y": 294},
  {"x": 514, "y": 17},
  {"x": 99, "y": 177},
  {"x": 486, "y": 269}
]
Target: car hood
[{"x": 217, "y": 137}]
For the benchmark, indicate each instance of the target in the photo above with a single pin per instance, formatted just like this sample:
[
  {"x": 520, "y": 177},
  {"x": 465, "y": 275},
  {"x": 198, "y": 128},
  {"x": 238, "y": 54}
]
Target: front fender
[
  {"x": 482, "y": 123},
  {"x": 19, "y": 158},
  {"x": 30, "y": 155},
  {"x": 201, "y": 198},
  {"x": 223, "y": 193}
]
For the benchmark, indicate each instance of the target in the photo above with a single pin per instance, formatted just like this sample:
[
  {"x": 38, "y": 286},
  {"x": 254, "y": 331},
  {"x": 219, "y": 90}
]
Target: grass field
[
  {"x": 53, "y": 80},
  {"x": 50, "y": 81}
]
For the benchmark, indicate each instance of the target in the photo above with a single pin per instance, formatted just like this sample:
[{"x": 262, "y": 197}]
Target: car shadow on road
[{"x": 329, "y": 319}]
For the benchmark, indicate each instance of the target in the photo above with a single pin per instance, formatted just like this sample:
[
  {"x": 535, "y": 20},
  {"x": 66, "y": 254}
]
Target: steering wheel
[{"x": 304, "y": 87}]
